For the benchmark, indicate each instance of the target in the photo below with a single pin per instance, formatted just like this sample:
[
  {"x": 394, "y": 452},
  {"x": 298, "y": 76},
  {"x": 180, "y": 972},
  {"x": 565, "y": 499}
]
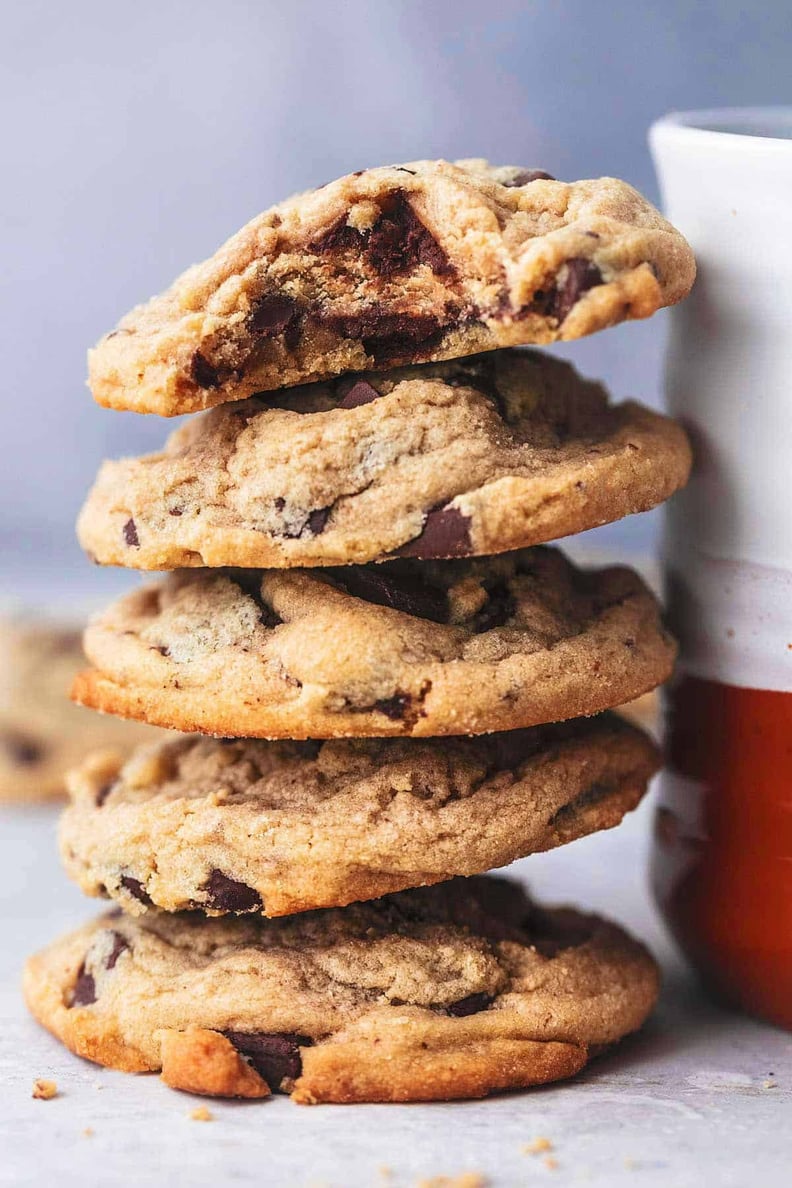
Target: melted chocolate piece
[
  {"x": 497, "y": 610},
  {"x": 445, "y": 533},
  {"x": 229, "y": 895},
  {"x": 250, "y": 585},
  {"x": 103, "y": 793},
  {"x": 135, "y": 889},
  {"x": 399, "y": 242},
  {"x": 84, "y": 989},
  {"x": 317, "y": 520},
  {"x": 359, "y": 394},
  {"x": 120, "y": 946},
  {"x": 388, "y": 338},
  {"x": 203, "y": 373},
  {"x": 557, "y": 302},
  {"x": 396, "y": 708},
  {"x": 274, "y": 1055},
  {"x": 272, "y": 314},
  {"x": 526, "y": 176},
  {"x": 130, "y": 534},
  {"x": 399, "y": 590},
  {"x": 471, "y": 1005}
]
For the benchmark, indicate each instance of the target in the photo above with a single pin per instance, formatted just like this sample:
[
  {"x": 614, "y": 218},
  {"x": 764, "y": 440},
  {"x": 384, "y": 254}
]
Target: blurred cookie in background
[{"x": 42, "y": 733}]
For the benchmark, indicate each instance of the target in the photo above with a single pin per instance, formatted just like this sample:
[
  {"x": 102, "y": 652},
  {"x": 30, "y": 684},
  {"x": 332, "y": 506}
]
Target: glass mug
[{"x": 722, "y": 850}]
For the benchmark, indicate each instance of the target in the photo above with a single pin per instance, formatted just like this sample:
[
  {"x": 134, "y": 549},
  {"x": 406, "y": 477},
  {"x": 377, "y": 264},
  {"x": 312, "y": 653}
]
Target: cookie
[
  {"x": 477, "y": 456},
  {"x": 452, "y": 991},
  {"x": 42, "y": 734},
  {"x": 280, "y": 827},
  {"x": 389, "y": 266},
  {"x": 421, "y": 648}
]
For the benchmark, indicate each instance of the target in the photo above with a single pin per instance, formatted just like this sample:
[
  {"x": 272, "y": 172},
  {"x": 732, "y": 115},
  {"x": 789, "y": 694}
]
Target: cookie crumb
[
  {"x": 88, "y": 1132},
  {"x": 44, "y": 1090},
  {"x": 550, "y": 1163},
  {"x": 201, "y": 1114},
  {"x": 770, "y": 1084},
  {"x": 537, "y": 1146},
  {"x": 466, "y": 1180}
]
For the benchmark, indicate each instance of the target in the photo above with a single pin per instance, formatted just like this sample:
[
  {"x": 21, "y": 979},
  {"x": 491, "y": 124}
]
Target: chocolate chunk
[
  {"x": 497, "y": 610},
  {"x": 250, "y": 584},
  {"x": 445, "y": 533},
  {"x": 229, "y": 895},
  {"x": 317, "y": 520},
  {"x": 163, "y": 649},
  {"x": 272, "y": 314},
  {"x": 135, "y": 889},
  {"x": 396, "y": 588},
  {"x": 395, "y": 708},
  {"x": 203, "y": 373},
  {"x": 274, "y": 1055},
  {"x": 119, "y": 946},
  {"x": 404, "y": 169},
  {"x": 21, "y": 748},
  {"x": 84, "y": 989},
  {"x": 175, "y": 511},
  {"x": 388, "y": 338},
  {"x": 399, "y": 242},
  {"x": 359, "y": 394},
  {"x": 470, "y": 1005},
  {"x": 130, "y": 534},
  {"x": 526, "y": 176},
  {"x": 557, "y": 302}
]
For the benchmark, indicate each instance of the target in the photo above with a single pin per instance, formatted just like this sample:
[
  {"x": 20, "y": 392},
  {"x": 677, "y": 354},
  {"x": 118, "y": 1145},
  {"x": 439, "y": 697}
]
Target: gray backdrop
[{"x": 139, "y": 136}]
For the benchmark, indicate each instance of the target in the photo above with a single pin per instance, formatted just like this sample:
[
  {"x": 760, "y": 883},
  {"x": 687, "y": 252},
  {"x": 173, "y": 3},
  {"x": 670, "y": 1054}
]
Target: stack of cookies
[{"x": 383, "y": 687}]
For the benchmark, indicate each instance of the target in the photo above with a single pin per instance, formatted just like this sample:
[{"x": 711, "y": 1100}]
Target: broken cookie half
[{"x": 390, "y": 266}]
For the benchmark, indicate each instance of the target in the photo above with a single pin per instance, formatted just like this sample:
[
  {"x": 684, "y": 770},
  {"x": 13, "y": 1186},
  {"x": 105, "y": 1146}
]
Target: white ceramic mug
[
  {"x": 726, "y": 179},
  {"x": 722, "y": 854}
]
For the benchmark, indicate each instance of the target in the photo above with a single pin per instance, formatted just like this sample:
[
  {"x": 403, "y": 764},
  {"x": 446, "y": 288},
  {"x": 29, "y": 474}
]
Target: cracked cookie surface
[
  {"x": 272, "y": 827},
  {"x": 422, "y": 648},
  {"x": 390, "y": 266},
  {"x": 42, "y": 734},
  {"x": 477, "y": 456},
  {"x": 452, "y": 991}
]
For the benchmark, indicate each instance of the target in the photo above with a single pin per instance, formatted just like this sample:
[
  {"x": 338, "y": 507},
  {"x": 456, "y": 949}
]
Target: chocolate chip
[
  {"x": 526, "y": 176},
  {"x": 135, "y": 889},
  {"x": 396, "y": 708},
  {"x": 557, "y": 302},
  {"x": 274, "y": 1055},
  {"x": 203, "y": 373},
  {"x": 21, "y": 748},
  {"x": 84, "y": 989},
  {"x": 397, "y": 589},
  {"x": 445, "y": 533},
  {"x": 119, "y": 946},
  {"x": 404, "y": 169},
  {"x": 317, "y": 520},
  {"x": 163, "y": 649},
  {"x": 175, "y": 511},
  {"x": 359, "y": 394},
  {"x": 497, "y": 610},
  {"x": 130, "y": 534},
  {"x": 399, "y": 242},
  {"x": 229, "y": 895},
  {"x": 272, "y": 314},
  {"x": 470, "y": 1005},
  {"x": 250, "y": 585}
]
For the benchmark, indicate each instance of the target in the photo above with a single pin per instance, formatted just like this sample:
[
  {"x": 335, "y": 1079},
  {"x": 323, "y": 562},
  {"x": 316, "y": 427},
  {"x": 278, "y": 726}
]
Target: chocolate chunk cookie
[
  {"x": 390, "y": 266},
  {"x": 421, "y": 648},
  {"x": 481, "y": 455},
  {"x": 284, "y": 827},
  {"x": 42, "y": 734},
  {"x": 453, "y": 991}
]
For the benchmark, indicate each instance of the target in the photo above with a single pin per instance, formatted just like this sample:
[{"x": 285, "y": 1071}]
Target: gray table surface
[{"x": 701, "y": 1096}]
